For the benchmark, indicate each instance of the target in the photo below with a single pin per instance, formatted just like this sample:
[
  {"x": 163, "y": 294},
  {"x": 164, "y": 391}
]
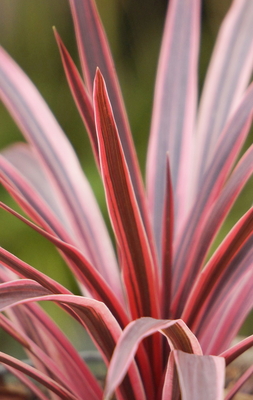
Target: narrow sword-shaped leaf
[
  {"x": 167, "y": 241},
  {"x": 27, "y": 382},
  {"x": 171, "y": 384},
  {"x": 187, "y": 243},
  {"x": 137, "y": 263},
  {"x": 83, "y": 269},
  {"x": 217, "y": 213},
  {"x": 26, "y": 287},
  {"x": 80, "y": 94},
  {"x": 95, "y": 317},
  {"x": 38, "y": 376},
  {"x": 95, "y": 53},
  {"x": 64, "y": 370},
  {"x": 25, "y": 270},
  {"x": 58, "y": 159},
  {"x": 229, "y": 73},
  {"x": 177, "y": 333},
  {"x": 236, "y": 350},
  {"x": 200, "y": 377},
  {"x": 219, "y": 272},
  {"x": 174, "y": 112},
  {"x": 41, "y": 203},
  {"x": 230, "y": 313},
  {"x": 245, "y": 376},
  {"x": 19, "y": 163}
]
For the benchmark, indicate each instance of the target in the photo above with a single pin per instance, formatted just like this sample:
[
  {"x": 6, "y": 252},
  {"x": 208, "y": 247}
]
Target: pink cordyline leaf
[
  {"x": 189, "y": 241},
  {"x": 217, "y": 213},
  {"x": 26, "y": 287},
  {"x": 174, "y": 111},
  {"x": 246, "y": 375},
  {"x": 32, "y": 322},
  {"x": 230, "y": 313},
  {"x": 24, "y": 270},
  {"x": 84, "y": 271},
  {"x": 21, "y": 171},
  {"x": 171, "y": 390},
  {"x": 28, "y": 383},
  {"x": 62, "y": 392},
  {"x": 178, "y": 336},
  {"x": 96, "y": 318},
  {"x": 220, "y": 272},
  {"x": 37, "y": 124},
  {"x": 228, "y": 75},
  {"x": 167, "y": 240},
  {"x": 136, "y": 259},
  {"x": 31, "y": 196},
  {"x": 200, "y": 377},
  {"x": 18, "y": 164},
  {"x": 70, "y": 371},
  {"x": 236, "y": 350},
  {"x": 80, "y": 94},
  {"x": 220, "y": 310},
  {"x": 95, "y": 53}
]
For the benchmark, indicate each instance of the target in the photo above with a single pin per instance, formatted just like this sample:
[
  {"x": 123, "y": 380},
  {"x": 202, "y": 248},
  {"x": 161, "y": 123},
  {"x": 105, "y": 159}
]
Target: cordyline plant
[{"x": 161, "y": 316}]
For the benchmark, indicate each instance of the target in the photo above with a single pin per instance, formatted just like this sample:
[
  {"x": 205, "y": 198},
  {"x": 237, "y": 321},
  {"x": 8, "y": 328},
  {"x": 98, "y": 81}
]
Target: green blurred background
[{"x": 134, "y": 30}]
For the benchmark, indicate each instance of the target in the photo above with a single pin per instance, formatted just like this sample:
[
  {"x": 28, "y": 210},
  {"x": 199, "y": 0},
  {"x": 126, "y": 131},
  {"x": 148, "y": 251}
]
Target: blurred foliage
[{"x": 134, "y": 30}]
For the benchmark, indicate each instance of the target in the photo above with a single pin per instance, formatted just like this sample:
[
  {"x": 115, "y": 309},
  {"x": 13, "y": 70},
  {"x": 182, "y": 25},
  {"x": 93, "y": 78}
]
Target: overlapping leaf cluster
[{"x": 161, "y": 317}]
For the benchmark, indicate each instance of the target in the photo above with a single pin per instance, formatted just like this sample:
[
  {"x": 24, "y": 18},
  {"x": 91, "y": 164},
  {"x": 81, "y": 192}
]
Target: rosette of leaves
[{"x": 161, "y": 316}]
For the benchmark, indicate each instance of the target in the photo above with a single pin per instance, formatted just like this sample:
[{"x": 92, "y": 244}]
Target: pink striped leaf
[
  {"x": 52, "y": 385},
  {"x": 33, "y": 192},
  {"x": 178, "y": 336},
  {"x": 230, "y": 313},
  {"x": 167, "y": 245},
  {"x": 21, "y": 171},
  {"x": 174, "y": 111},
  {"x": 221, "y": 274},
  {"x": 245, "y": 376},
  {"x": 200, "y": 377},
  {"x": 171, "y": 390},
  {"x": 80, "y": 94},
  {"x": 217, "y": 213},
  {"x": 95, "y": 53},
  {"x": 58, "y": 159},
  {"x": 33, "y": 327},
  {"x": 189, "y": 240},
  {"x": 24, "y": 270},
  {"x": 229, "y": 73},
  {"x": 83, "y": 270},
  {"x": 70, "y": 371},
  {"x": 26, "y": 287},
  {"x": 95, "y": 317},
  {"x": 28, "y": 383},
  {"x": 20, "y": 161},
  {"x": 137, "y": 262},
  {"x": 235, "y": 351}
]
